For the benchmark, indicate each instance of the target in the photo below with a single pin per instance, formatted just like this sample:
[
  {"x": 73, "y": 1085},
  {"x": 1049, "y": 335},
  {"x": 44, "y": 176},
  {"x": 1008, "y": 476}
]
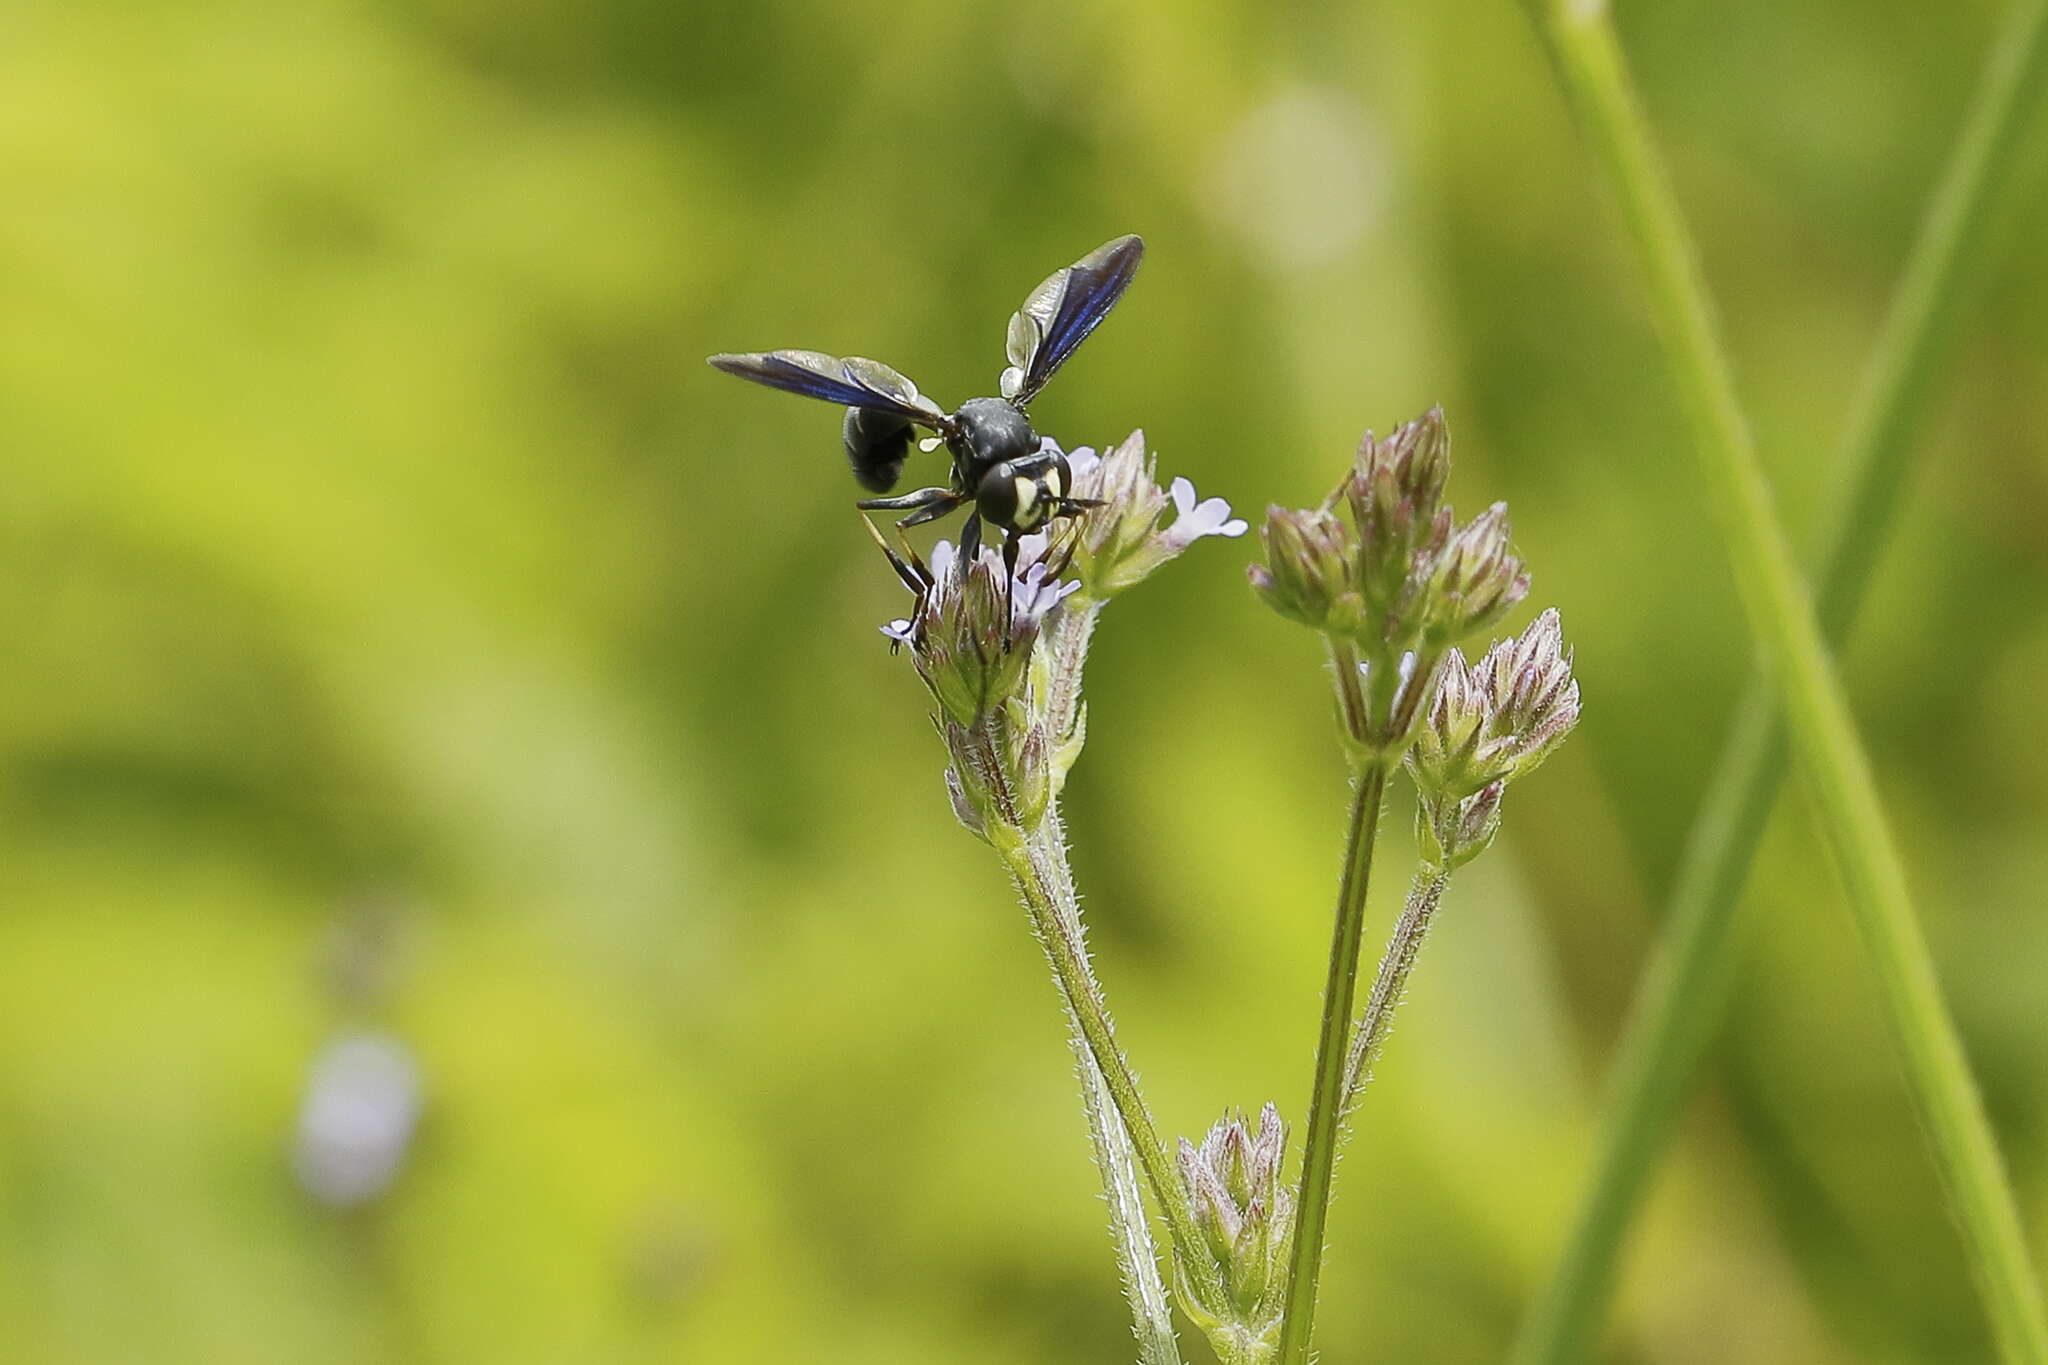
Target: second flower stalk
[{"x": 1385, "y": 574}]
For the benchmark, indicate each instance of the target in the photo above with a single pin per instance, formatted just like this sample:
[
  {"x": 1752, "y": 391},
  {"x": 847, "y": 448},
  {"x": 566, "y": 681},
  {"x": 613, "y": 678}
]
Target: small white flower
[
  {"x": 1123, "y": 541},
  {"x": 943, "y": 557},
  {"x": 1210, "y": 517}
]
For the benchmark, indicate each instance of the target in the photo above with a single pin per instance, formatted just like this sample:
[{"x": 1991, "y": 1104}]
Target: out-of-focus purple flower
[{"x": 356, "y": 1122}]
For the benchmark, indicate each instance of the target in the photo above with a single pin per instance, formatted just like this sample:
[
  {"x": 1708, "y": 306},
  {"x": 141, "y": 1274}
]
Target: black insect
[{"x": 998, "y": 465}]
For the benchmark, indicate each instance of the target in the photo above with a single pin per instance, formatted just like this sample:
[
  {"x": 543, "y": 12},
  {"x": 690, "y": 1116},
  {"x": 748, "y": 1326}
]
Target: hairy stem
[
  {"x": 1391, "y": 984},
  {"x": 1326, "y": 1108},
  {"x": 1794, "y": 655},
  {"x": 1041, "y": 878},
  {"x": 1137, "y": 1259}
]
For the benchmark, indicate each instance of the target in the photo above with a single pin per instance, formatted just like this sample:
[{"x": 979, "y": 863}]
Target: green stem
[
  {"x": 1388, "y": 987},
  {"x": 1681, "y": 1002},
  {"x": 1794, "y": 655},
  {"x": 1326, "y": 1109},
  {"x": 1137, "y": 1260},
  {"x": 1354, "y": 712},
  {"x": 1039, "y": 879}
]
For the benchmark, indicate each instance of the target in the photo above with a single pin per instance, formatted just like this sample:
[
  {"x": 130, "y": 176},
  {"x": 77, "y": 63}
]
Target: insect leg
[
  {"x": 936, "y": 508},
  {"x": 1010, "y": 547},
  {"x": 917, "y": 501},
  {"x": 970, "y": 541},
  {"x": 1061, "y": 560},
  {"x": 909, "y": 568}
]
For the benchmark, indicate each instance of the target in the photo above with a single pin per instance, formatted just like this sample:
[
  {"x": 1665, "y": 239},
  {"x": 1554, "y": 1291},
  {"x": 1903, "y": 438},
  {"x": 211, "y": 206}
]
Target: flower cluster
[
  {"x": 974, "y": 623},
  {"x": 1398, "y": 574},
  {"x": 1492, "y": 722},
  {"x": 976, "y": 630},
  {"x": 972, "y": 634},
  {"x": 1120, "y": 543},
  {"x": 1384, "y": 571},
  {"x": 1245, "y": 1213}
]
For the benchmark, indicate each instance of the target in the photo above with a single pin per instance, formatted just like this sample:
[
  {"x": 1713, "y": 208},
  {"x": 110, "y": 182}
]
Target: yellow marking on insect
[
  {"x": 1054, "y": 484},
  {"x": 1027, "y": 493}
]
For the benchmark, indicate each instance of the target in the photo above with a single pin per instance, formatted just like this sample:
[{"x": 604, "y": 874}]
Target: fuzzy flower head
[
  {"x": 1395, "y": 572},
  {"x": 1307, "y": 573},
  {"x": 1245, "y": 1212},
  {"x": 1475, "y": 579},
  {"x": 974, "y": 624},
  {"x": 1492, "y": 722},
  {"x": 1120, "y": 543}
]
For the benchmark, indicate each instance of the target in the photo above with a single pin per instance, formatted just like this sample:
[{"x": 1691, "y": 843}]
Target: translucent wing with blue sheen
[
  {"x": 1058, "y": 315},
  {"x": 853, "y": 381}
]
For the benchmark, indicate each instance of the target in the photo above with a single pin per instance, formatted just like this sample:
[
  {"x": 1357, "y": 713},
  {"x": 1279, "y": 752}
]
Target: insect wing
[
  {"x": 854, "y": 382},
  {"x": 1058, "y": 315}
]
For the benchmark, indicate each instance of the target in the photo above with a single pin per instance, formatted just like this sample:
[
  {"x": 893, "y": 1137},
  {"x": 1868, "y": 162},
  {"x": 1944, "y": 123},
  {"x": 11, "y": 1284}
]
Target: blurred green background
[{"x": 404, "y": 632}]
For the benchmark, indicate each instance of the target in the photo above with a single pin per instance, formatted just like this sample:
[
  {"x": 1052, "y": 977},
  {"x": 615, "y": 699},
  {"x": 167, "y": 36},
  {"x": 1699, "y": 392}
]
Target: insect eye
[{"x": 1004, "y": 496}]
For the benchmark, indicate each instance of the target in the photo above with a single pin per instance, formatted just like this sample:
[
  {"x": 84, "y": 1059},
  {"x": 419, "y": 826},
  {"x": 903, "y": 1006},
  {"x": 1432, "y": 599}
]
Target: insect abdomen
[{"x": 877, "y": 444}]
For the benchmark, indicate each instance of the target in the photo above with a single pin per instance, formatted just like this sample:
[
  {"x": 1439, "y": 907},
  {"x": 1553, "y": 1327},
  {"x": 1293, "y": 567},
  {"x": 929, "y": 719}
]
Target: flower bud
[
  {"x": 1245, "y": 1213},
  {"x": 1535, "y": 696},
  {"x": 1032, "y": 772},
  {"x": 963, "y": 807},
  {"x": 1501, "y": 717},
  {"x": 1491, "y": 723},
  {"x": 1396, "y": 484},
  {"x": 1411, "y": 579},
  {"x": 1307, "y": 573},
  {"x": 1417, "y": 460},
  {"x": 1451, "y": 833},
  {"x": 1395, "y": 493},
  {"x": 1476, "y": 578}
]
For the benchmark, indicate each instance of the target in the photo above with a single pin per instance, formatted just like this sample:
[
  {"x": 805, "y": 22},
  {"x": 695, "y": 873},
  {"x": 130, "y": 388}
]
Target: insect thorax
[{"x": 986, "y": 432}]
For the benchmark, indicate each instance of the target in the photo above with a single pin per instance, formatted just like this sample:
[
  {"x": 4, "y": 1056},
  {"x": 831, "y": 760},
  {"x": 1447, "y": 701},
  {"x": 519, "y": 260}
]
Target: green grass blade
[
  {"x": 1793, "y": 654},
  {"x": 1680, "y": 1005}
]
